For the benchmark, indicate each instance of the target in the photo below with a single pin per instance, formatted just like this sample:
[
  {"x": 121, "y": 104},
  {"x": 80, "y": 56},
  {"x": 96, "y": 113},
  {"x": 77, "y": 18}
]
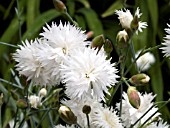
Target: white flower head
[
  {"x": 130, "y": 114},
  {"x": 88, "y": 72},
  {"x": 145, "y": 61},
  {"x": 76, "y": 106},
  {"x": 65, "y": 37},
  {"x": 61, "y": 126},
  {"x": 159, "y": 124},
  {"x": 125, "y": 17},
  {"x": 28, "y": 63},
  {"x": 35, "y": 101},
  {"x": 166, "y": 47},
  {"x": 102, "y": 117}
]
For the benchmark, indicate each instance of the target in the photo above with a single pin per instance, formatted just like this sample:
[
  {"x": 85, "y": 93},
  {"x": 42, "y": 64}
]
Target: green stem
[
  {"x": 154, "y": 113},
  {"x": 11, "y": 45},
  {"x": 70, "y": 18},
  {"x": 0, "y": 117},
  {"x": 125, "y": 81},
  {"x": 88, "y": 122},
  {"x": 15, "y": 120},
  {"x": 79, "y": 125},
  {"x": 44, "y": 115}
]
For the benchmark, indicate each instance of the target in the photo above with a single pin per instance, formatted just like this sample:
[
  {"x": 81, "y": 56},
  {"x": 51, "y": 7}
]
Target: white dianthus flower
[
  {"x": 61, "y": 126},
  {"x": 125, "y": 18},
  {"x": 130, "y": 114},
  {"x": 159, "y": 124},
  {"x": 145, "y": 61},
  {"x": 88, "y": 72},
  {"x": 35, "y": 101},
  {"x": 28, "y": 63},
  {"x": 166, "y": 47},
  {"x": 105, "y": 118},
  {"x": 64, "y": 38}
]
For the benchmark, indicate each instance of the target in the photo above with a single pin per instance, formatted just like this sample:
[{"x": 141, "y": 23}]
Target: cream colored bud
[
  {"x": 139, "y": 79},
  {"x": 43, "y": 92},
  {"x": 67, "y": 115},
  {"x": 122, "y": 39},
  {"x": 133, "y": 97}
]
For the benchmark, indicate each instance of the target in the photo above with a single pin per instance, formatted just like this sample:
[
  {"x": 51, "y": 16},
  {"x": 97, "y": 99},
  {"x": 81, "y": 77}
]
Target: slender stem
[
  {"x": 44, "y": 115},
  {"x": 125, "y": 81},
  {"x": 10, "y": 83},
  {"x": 88, "y": 122},
  {"x": 142, "y": 116},
  {"x": 0, "y": 117},
  {"x": 121, "y": 90},
  {"x": 154, "y": 113},
  {"x": 19, "y": 22},
  {"x": 15, "y": 120},
  {"x": 70, "y": 18},
  {"x": 11, "y": 45},
  {"x": 50, "y": 118},
  {"x": 79, "y": 125}
]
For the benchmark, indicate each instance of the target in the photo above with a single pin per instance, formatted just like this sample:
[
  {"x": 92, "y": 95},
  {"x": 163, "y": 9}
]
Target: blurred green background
[{"x": 25, "y": 20}]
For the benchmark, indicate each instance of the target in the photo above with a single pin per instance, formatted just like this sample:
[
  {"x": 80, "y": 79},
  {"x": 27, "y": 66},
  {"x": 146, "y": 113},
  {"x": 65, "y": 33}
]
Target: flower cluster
[{"x": 62, "y": 56}]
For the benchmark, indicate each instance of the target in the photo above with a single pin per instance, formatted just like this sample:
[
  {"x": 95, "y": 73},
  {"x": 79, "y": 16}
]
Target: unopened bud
[
  {"x": 86, "y": 109},
  {"x": 122, "y": 39},
  {"x": 98, "y": 42},
  {"x": 139, "y": 79},
  {"x": 89, "y": 34},
  {"x": 14, "y": 95},
  {"x": 135, "y": 23},
  {"x": 35, "y": 101},
  {"x": 60, "y": 6},
  {"x": 1, "y": 98},
  {"x": 133, "y": 97},
  {"x": 108, "y": 47},
  {"x": 43, "y": 92},
  {"x": 21, "y": 103},
  {"x": 67, "y": 115}
]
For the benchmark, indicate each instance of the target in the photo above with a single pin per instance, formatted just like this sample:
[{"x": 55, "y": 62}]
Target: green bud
[
  {"x": 139, "y": 79},
  {"x": 133, "y": 97},
  {"x": 60, "y": 6},
  {"x": 14, "y": 95},
  {"x": 98, "y": 42},
  {"x": 67, "y": 115},
  {"x": 86, "y": 109},
  {"x": 134, "y": 24},
  {"x": 108, "y": 47},
  {"x": 21, "y": 103},
  {"x": 122, "y": 39}
]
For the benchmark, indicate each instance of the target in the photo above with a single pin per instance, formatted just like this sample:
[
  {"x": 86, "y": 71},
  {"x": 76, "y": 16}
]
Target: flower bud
[
  {"x": 1, "y": 98},
  {"x": 108, "y": 47},
  {"x": 67, "y": 115},
  {"x": 139, "y": 79},
  {"x": 122, "y": 39},
  {"x": 21, "y": 103},
  {"x": 43, "y": 92},
  {"x": 98, "y": 42},
  {"x": 86, "y": 109},
  {"x": 133, "y": 97},
  {"x": 59, "y": 5},
  {"x": 135, "y": 23},
  {"x": 89, "y": 34}
]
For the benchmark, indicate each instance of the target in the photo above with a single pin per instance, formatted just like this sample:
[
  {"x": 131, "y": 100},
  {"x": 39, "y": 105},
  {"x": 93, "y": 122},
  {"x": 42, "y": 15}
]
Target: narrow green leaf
[
  {"x": 85, "y": 3},
  {"x": 32, "y": 11},
  {"x": 71, "y": 7},
  {"x": 81, "y": 21},
  {"x": 111, "y": 10},
  {"x": 153, "y": 10},
  {"x": 8, "y": 9},
  {"x": 93, "y": 21},
  {"x": 39, "y": 22}
]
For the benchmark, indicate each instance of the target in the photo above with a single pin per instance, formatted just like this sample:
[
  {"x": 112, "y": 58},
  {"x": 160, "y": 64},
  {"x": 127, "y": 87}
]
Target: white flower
[
  {"x": 159, "y": 124},
  {"x": 166, "y": 47},
  {"x": 145, "y": 61},
  {"x": 28, "y": 63},
  {"x": 130, "y": 114},
  {"x": 64, "y": 38},
  {"x": 35, "y": 101},
  {"x": 125, "y": 17},
  {"x": 88, "y": 72},
  {"x": 105, "y": 118},
  {"x": 61, "y": 126}
]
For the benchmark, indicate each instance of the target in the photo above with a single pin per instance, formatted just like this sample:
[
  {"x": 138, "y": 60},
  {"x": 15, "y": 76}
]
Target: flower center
[{"x": 64, "y": 50}]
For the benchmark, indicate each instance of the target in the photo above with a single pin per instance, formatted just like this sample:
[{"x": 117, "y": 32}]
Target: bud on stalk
[
  {"x": 133, "y": 97},
  {"x": 67, "y": 115},
  {"x": 139, "y": 79}
]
